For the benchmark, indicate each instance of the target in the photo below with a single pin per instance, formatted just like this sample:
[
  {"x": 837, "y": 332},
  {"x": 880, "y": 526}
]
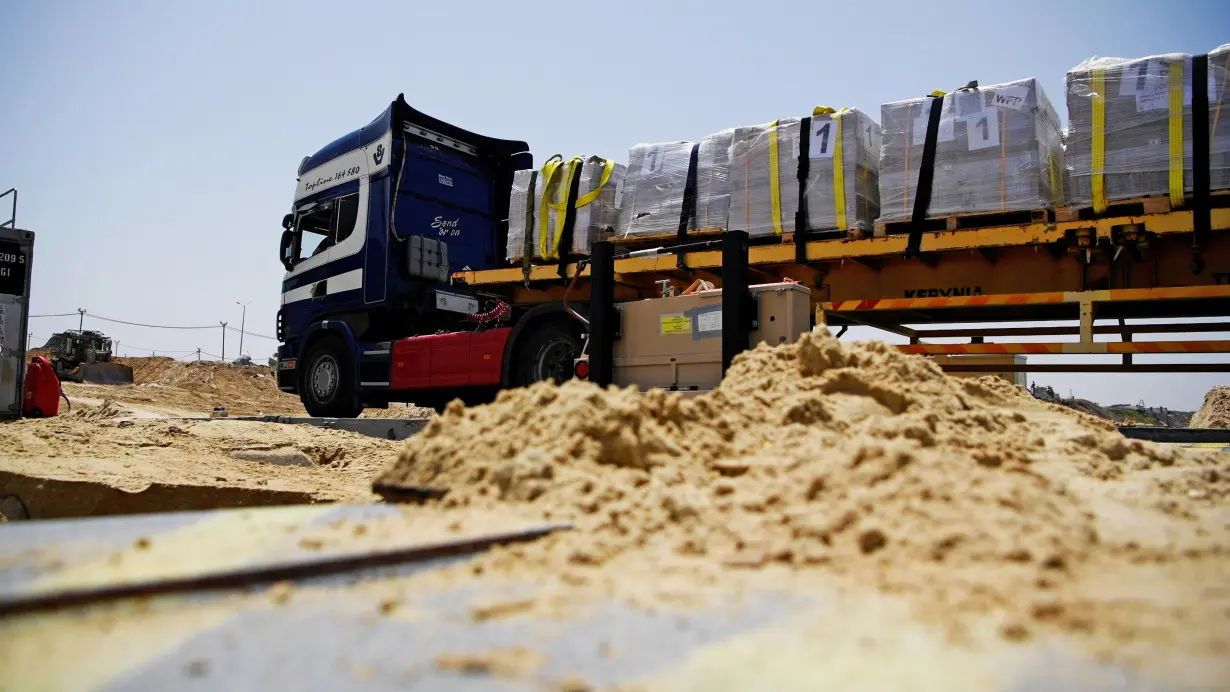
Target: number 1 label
[
  {"x": 983, "y": 131},
  {"x": 823, "y": 139}
]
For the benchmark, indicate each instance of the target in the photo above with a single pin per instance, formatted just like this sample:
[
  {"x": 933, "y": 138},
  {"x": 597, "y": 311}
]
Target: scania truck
[{"x": 382, "y": 218}]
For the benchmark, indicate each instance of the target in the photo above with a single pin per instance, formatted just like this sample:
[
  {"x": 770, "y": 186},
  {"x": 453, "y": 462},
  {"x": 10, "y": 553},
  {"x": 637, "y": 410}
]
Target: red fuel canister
[{"x": 41, "y": 395}]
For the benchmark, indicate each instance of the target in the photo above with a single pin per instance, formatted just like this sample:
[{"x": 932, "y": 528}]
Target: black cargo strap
[
  {"x": 527, "y": 243},
  {"x": 688, "y": 212},
  {"x": 1201, "y": 223},
  {"x": 570, "y": 219},
  {"x": 926, "y": 174},
  {"x": 800, "y": 216}
]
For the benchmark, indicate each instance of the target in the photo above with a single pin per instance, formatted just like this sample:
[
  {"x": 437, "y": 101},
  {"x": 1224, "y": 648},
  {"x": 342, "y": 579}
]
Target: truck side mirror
[{"x": 287, "y": 249}]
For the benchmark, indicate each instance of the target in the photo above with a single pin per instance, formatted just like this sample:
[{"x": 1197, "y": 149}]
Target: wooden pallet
[
  {"x": 1136, "y": 206},
  {"x": 827, "y": 234},
  {"x": 661, "y": 239},
  {"x": 956, "y": 222}
]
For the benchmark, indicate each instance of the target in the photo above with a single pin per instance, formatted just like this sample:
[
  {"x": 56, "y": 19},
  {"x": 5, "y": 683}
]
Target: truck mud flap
[{"x": 105, "y": 373}]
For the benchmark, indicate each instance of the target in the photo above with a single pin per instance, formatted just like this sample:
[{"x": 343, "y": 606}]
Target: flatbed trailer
[
  {"x": 394, "y": 289},
  {"x": 1148, "y": 266}
]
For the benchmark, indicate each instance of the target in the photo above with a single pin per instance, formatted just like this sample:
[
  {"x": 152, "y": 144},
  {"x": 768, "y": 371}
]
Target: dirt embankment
[
  {"x": 1215, "y": 412},
  {"x": 854, "y": 465},
  {"x": 163, "y": 386},
  {"x": 91, "y": 462},
  {"x": 199, "y": 387}
]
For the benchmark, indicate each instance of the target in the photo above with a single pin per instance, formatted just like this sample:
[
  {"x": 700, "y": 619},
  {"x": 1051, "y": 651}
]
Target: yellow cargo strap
[
  {"x": 568, "y": 171},
  {"x": 1099, "y": 140},
  {"x": 775, "y": 189},
  {"x": 839, "y": 169},
  {"x": 549, "y": 169},
  {"x": 607, "y": 166},
  {"x": 558, "y": 175},
  {"x": 1176, "y": 135},
  {"x": 1052, "y": 168}
]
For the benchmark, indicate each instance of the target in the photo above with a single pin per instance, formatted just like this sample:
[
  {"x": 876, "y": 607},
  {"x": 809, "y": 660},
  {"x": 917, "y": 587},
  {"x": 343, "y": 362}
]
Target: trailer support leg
[
  {"x": 736, "y": 302},
  {"x": 602, "y": 313}
]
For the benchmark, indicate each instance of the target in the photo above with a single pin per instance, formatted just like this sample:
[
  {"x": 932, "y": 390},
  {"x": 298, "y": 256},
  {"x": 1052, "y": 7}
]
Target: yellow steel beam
[
  {"x": 832, "y": 250},
  {"x": 1002, "y": 299},
  {"x": 1062, "y": 348}
]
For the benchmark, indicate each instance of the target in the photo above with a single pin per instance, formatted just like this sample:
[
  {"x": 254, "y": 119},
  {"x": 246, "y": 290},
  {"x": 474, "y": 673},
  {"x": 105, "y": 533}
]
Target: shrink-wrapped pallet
[
  {"x": 842, "y": 189},
  {"x": 655, "y": 188},
  {"x": 843, "y": 170},
  {"x": 536, "y": 223},
  {"x": 713, "y": 181},
  {"x": 524, "y": 203},
  {"x": 998, "y": 149},
  {"x": 1131, "y": 121},
  {"x": 598, "y": 201},
  {"x": 764, "y": 185}
]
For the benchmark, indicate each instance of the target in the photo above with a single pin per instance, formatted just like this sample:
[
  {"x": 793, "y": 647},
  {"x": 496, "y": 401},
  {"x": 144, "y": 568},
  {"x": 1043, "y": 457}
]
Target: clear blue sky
[{"x": 155, "y": 143}]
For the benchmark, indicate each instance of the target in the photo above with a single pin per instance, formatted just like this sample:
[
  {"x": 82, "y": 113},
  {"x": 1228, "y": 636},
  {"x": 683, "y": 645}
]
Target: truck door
[{"x": 447, "y": 193}]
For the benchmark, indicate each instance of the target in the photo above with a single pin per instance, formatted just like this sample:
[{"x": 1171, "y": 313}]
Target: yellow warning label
[{"x": 676, "y": 324}]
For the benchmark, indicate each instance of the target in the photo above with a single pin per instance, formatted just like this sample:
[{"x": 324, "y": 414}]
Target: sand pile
[
  {"x": 107, "y": 410},
  {"x": 396, "y": 410},
  {"x": 197, "y": 375},
  {"x": 1215, "y": 411},
  {"x": 94, "y": 462},
  {"x": 169, "y": 387},
  {"x": 816, "y": 460}
]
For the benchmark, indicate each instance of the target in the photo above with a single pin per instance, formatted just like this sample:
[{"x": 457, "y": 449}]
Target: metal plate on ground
[
  {"x": 384, "y": 428},
  {"x": 1184, "y": 436},
  {"x": 408, "y": 627},
  {"x": 43, "y": 559}
]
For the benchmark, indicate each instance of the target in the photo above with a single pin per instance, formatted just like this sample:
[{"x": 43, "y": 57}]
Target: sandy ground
[
  {"x": 119, "y": 449},
  {"x": 96, "y": 460},
  {"x": 165, "y": 387},
  {"x": 995, "y": 516}
]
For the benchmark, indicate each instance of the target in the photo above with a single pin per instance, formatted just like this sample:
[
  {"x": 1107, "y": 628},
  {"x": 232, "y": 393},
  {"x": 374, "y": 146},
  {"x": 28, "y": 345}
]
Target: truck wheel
[
  {"x": 547, "y": 355},
  {"x": 327, "y": 390}
]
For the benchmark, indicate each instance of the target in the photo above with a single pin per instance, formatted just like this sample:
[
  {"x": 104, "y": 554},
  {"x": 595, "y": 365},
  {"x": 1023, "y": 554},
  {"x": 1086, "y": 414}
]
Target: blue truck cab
[{"x": 381, "y": 219}]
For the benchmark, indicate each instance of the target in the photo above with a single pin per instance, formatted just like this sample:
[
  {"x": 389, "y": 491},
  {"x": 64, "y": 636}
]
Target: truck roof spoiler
[
  {"x": 404, "y": 114},
  {"x": 399, "y": 116}
]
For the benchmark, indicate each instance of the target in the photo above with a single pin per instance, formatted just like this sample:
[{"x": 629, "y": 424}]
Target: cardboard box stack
[
  {"x": 998, "y": 149},
  {"x": 1121, "y": 116},
  {"x": 656, "y": 187},
  {"x": 535, "y": 225}
]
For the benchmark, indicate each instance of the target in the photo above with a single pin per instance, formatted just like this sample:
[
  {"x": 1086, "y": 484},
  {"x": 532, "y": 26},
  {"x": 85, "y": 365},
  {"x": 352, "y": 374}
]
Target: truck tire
[
  {"x": 328, "y": 388},
  {"x": 547, "y": 354}
]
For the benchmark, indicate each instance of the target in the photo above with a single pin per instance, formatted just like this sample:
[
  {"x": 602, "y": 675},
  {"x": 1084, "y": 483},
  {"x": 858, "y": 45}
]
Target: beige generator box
[
  {"x": 1017, "y": 378},
  {"x": 676, "y": 342}
]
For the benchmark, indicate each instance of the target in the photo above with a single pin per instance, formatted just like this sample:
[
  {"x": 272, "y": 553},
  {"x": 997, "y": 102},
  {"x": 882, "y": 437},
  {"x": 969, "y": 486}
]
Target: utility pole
[
  {"x": 223, "y": 341},
  {"x": 198, "y": 354},
  {"x": 30, "y": 341},
  {"x": 80, "y": 319},
  {"x": 242, "y": 318}
]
